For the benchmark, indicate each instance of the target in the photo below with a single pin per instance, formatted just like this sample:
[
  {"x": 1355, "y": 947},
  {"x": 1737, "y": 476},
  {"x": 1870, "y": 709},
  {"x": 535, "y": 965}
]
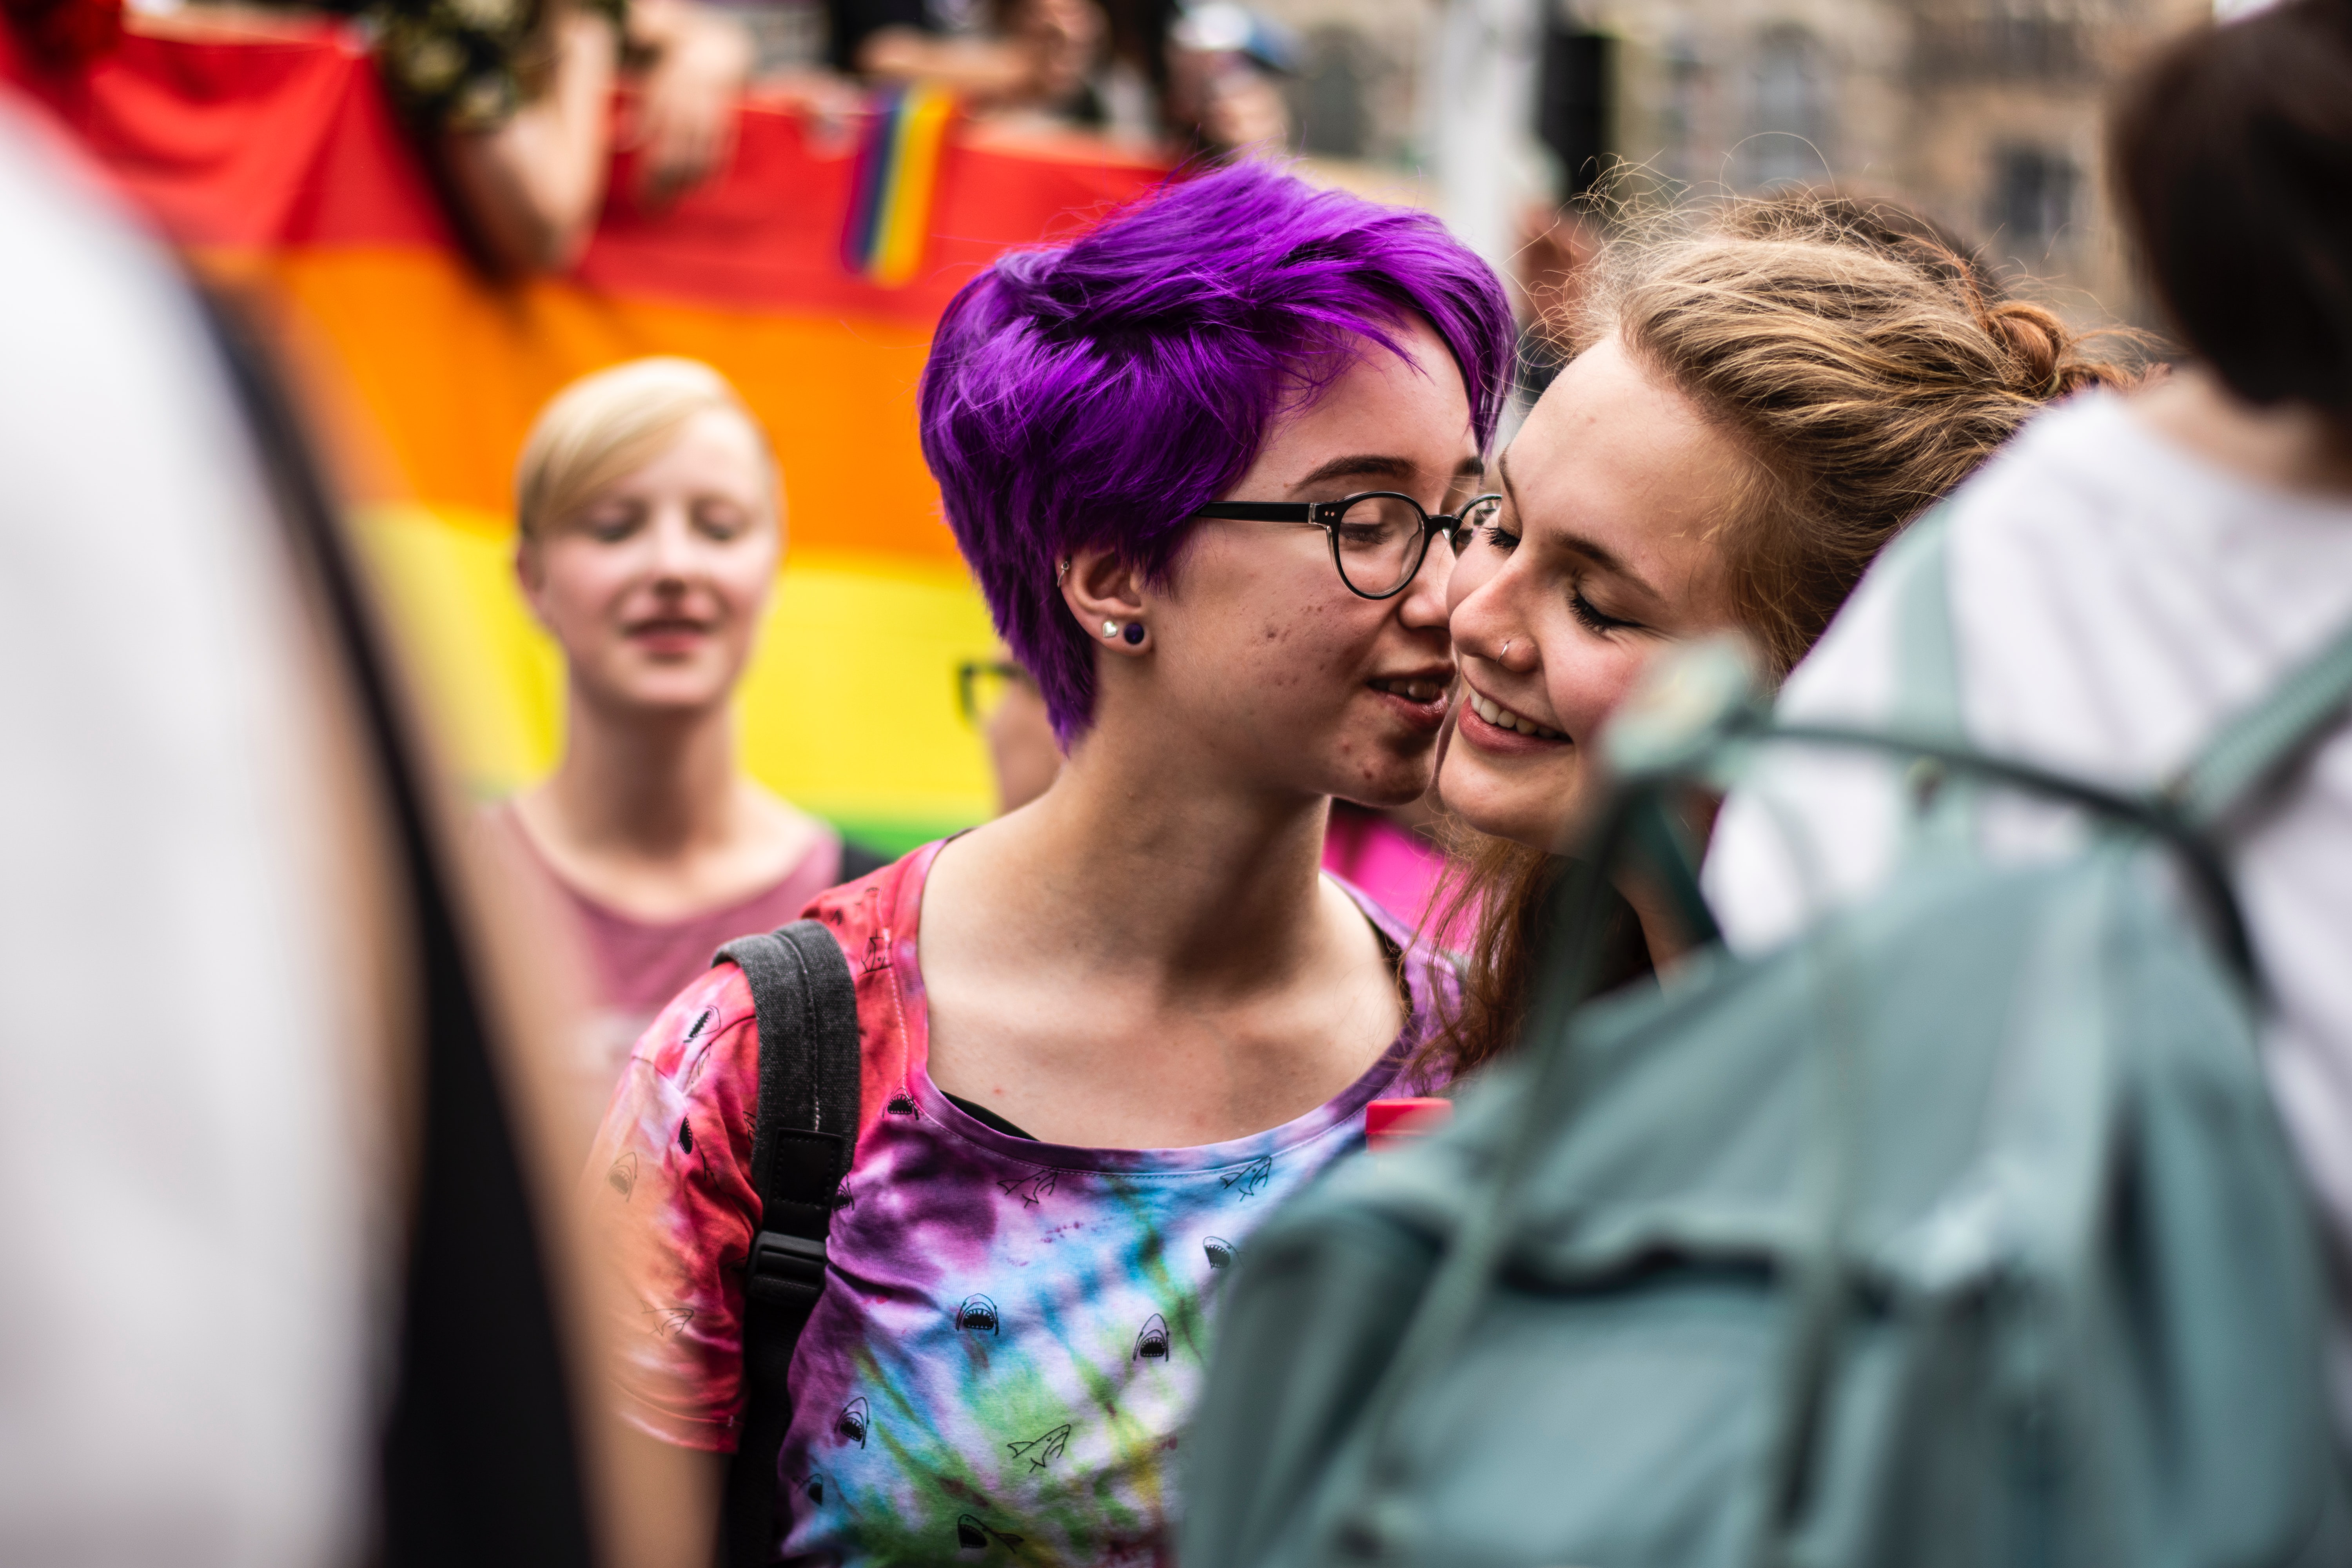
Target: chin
[
  {"x": 1508, "y": 810},
  {"x": 1398, "y": 785},
  {"x": 1373, "y": 798},
  {"x": 669, "y": 701}
]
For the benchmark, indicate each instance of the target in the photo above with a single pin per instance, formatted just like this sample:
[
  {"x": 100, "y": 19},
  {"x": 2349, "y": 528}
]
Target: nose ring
[{"x": 1507, "y": 647}]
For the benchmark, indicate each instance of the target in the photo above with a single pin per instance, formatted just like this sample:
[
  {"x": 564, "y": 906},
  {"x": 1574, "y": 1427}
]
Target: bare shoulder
[{"x": 772, "y": 832}]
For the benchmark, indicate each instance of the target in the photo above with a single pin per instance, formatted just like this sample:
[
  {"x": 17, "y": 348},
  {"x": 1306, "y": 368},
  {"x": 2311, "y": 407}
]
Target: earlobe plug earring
[{"x": 1134, "y": 633}]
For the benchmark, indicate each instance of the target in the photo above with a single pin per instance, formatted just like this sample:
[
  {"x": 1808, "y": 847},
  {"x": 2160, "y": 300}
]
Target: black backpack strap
[{"x": 803, "y": 1135}]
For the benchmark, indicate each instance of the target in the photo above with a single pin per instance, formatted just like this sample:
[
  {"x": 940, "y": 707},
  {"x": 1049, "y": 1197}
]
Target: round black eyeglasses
[{"x": 1379, "y": 539}]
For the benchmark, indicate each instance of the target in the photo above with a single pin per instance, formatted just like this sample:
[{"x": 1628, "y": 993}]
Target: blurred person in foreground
[
  {"x": 651, "y": 527},
  {"x": 1103, "y": 1035},
  {"x": 1749, "y": 415},
  {"x": 273, "y": 1182},
  {"x": 188, "y": 1346},
  {"x": 2130, "y": 573}
]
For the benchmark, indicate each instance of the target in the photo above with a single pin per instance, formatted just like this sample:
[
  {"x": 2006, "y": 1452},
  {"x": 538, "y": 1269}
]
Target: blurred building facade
[{"x": 1986, "y": 113}]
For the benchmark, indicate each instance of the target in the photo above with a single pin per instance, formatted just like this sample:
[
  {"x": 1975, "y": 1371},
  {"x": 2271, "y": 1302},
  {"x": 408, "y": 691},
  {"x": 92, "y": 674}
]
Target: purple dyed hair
[{"x": 1104, "y": 391}]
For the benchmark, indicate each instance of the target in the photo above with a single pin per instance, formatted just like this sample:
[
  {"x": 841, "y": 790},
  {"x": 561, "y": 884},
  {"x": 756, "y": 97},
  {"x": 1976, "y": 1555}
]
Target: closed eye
[
  {"x": 612, "y": 523},
  {"x": 1594, "y": 619},
  {"x": 721, "y": 520}
]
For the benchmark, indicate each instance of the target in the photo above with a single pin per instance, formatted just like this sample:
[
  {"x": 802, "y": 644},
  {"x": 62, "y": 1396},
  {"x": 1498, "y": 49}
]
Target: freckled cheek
[{"x": 1285, "y": 650}]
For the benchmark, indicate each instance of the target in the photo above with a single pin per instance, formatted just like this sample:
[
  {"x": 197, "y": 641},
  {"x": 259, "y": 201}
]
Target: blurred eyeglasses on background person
[{"x": 982, "y": 685}]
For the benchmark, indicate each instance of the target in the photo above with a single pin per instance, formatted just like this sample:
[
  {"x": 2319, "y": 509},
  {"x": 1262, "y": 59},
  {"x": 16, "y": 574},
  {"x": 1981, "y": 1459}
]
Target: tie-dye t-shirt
[{"x": 1010, "y": 1336}]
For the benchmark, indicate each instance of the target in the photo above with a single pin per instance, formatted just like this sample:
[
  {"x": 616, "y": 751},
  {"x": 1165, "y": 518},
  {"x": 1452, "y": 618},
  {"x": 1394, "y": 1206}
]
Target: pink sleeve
[{"x": 674, "y": 1212}]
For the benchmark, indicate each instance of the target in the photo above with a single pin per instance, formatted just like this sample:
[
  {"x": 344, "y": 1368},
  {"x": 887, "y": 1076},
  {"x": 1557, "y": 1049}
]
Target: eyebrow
[
  {"x": 1362, "y": 464},
  {"x": 1599, "y": 554},
  {"x": 1384, "y": 465}
]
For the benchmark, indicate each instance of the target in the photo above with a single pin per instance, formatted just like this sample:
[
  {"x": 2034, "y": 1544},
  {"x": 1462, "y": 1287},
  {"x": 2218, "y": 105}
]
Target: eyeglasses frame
[
  {"x": 1325, "y": 515},
  {"x": 968, "y": 674}
]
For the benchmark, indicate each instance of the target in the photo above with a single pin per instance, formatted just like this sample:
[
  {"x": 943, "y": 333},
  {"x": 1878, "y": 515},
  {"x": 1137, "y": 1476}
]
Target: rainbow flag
[
  {"x": 890, "y": 193},
  {"x": 277, "y": 165}
]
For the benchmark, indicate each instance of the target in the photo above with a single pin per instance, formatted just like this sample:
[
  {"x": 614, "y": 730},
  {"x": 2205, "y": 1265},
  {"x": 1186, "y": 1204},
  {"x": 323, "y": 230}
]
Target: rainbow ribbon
[{"x": 897, "y": 169}]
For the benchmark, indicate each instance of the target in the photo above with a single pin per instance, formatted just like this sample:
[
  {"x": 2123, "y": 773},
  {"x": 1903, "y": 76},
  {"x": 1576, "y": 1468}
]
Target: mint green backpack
[{"x": 1959, "y": 1232}]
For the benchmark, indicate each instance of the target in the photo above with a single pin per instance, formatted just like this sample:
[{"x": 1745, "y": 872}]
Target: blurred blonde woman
[{"x": 652, "y": 525}]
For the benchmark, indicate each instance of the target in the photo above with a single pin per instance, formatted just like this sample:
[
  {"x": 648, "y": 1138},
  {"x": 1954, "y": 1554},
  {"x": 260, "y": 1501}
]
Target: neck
[
  {"x": 1664, "y": 928},
  {"x": 2288, "y": 446},
  {"x": 1140, "y": 859},
  {"x": 645, "y": 785}
]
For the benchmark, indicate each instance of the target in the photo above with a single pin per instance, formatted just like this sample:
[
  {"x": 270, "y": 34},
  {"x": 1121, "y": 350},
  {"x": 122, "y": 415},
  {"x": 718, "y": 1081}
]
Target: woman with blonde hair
[
  {"x": 1751, "y": 413},
  {"x": 651, "y": 527}
]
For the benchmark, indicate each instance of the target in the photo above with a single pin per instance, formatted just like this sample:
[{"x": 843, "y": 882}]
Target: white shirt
[
  {"x": 183, "y": 1343},
  {"x": 2114, "y": 599}
]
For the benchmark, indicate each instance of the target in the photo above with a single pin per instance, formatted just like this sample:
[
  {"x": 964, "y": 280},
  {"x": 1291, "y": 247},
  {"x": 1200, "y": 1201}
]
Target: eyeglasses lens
[
  {"x": 1379, "y": 540},
  {"x": 984, "y": 688}
]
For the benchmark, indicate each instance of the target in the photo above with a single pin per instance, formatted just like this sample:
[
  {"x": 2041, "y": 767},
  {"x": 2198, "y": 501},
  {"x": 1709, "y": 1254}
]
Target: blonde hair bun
[
  {"x": 1867, "y": 360},
  {"x": 608, "y": 425}
]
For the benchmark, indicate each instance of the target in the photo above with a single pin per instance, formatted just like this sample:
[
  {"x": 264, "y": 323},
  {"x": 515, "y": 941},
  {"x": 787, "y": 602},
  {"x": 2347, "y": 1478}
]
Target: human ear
[
  {"x": 531, "y": 575},
  {"x": 1106, "y": 595}
]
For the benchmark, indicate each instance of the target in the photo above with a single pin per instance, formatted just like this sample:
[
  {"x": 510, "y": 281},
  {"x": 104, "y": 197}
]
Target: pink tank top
[{"x": 637, "y": 966}]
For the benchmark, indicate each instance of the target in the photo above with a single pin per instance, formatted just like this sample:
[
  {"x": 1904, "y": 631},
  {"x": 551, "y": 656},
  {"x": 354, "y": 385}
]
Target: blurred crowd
[{"x": 510, "y": 98}]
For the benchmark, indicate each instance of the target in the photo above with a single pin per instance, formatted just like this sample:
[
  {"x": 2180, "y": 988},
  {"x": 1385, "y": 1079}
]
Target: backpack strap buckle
[{"x": 783, "y": 1269}]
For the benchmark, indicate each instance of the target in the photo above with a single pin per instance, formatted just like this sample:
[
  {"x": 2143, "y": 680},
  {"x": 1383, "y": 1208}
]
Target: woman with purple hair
[{"x": 1207, "y": 462}]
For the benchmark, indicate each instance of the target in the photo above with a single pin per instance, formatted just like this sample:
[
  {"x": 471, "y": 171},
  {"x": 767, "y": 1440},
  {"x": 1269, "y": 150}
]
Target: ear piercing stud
[
  {"x": 1133, "y": 632},
  {"x": 1110, "y": 628}
]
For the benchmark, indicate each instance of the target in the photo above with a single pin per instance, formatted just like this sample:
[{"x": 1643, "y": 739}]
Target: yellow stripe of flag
[{"x": 914, "y": 165}]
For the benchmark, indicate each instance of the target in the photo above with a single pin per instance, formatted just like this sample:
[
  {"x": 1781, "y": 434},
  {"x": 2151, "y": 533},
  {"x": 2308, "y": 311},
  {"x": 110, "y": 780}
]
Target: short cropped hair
[
  {"x": 603, "y": 427},
  {"x": 2232, "y": 156},
  {"x": 1103, "y": 390}
]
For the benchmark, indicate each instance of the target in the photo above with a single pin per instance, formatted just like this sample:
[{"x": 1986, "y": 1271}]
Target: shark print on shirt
[{"x": 1012, "y": 1333}]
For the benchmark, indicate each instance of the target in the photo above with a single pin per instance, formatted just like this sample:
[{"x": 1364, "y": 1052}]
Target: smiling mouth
[
  {"x": 1412, "y": 690},
  {"x": 1502, "y": 718}
]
